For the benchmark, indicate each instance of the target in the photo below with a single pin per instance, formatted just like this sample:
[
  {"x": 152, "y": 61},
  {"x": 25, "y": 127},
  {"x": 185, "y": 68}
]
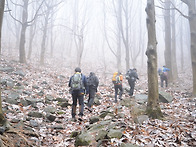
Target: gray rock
[
  {"x": 125, "y": 102},
  {"x": 15, "y": 120},
  {"x": 101, "y": 135},
  {"x": 50, "y": 117},
  {"x": 6, "y": 69},
  {"x": 31, "y": 101},
  {"x": 114, "y": 134},
  {"x": 83, "y": 139},
  {"x": 35, "y": 114},
  {"x": 33, "y": 123},
  {"x": 11, "y": 101},
  {"x": 74, "y": 134},
  {"x": 35, "y": 87},
  {"x": 20, "y": 73},
  {"x": 57, "y": 127},
  {"x": 141, "y": 98},
  {"x": 27, "y": 92},
  {"x": 65, "y": 104},
  {"x": 128, "y": 145},
  {"x": 61, "y": 100},
  {"x": 165, "y": 97},
  {"x": 104, "y": 114},
  {"x": 41, "y": 93},
  {"x": 96, "y": 101},
  {"x": 142, "y": 118},
  {"x": 49, "y": 98},
  {"x": 13, "y": 95},
  {"x": 94, "y": 119},
  {"x": 50, "y": 109},
  {"x": 24, "y": 102}
]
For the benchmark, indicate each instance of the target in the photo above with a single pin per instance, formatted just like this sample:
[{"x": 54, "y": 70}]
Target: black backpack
[
  {"x": 92, "y": 80},
  {"x": 131, "y": 75}
]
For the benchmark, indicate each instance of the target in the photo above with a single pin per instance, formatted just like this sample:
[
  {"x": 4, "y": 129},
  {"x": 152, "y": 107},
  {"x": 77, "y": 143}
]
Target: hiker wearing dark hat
[
  {"x": 92, "y": 82},
  {"x": 78, "y": 84},
  {"x": 132, "y": 76}
]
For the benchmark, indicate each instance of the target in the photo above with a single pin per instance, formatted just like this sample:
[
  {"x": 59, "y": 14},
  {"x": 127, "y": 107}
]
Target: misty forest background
[
  {"x": 99, "y": 35},
  {"x": 42, "y": 42}
]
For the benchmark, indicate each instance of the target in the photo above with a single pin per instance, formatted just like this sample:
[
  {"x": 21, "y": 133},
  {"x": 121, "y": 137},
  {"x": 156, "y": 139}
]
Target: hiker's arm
[{"x": 70, "y": 82}]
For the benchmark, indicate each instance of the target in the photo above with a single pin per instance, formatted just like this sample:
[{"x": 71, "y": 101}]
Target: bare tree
[
  {"x": 3, "y": 120},
  {"x": 50, "y": 5},
  {"x": 118, "y": 14},
  {"x": 173, "y": 46},
  {"x": 24, "y": 24},
  {"x": 2, "y": 4},
  {"x": 168, "y": 59},
  {"x": 192, "y": 22},
  {"x": 80, "y": 22},
  {"x": 153, "y": 108}
]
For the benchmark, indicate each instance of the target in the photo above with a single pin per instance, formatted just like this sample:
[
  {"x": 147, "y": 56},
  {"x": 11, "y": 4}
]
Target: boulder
[
  {"x": 141, "y": 98},
  {"x": 114, "y": 133},
  {"x": 50, "y": 109},
  {"x": 6, "y": 69},
  {"x": 142, "y": 118},
  {"x": 83, "y": 139},
  {"x": 94, "y": 119},
  {"x": 35, "y": 114},
  {"x": 20, "y": 73},
  {"x": 101, "y": 135},
  {"x": 165, "y": 97}
]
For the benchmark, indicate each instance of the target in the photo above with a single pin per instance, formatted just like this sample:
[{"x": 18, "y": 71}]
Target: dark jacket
[
  {"x": 132, "y": 75},
  {"x": 92, "y": 81}
]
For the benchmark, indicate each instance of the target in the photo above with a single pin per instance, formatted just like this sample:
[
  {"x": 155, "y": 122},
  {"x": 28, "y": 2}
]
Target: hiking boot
[
  {"x": 80, "y": 118},
  {"x": 73, "y": 119},
  {"x": 89, "y": 109}
]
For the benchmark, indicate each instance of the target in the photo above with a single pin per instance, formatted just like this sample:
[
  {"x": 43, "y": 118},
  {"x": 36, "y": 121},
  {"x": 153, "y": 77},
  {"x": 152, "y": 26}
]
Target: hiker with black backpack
[
  {"x": 92, "y": 83},
  {"x": 117, "y": 81},
  {"x": 132, "y": 76},
  {"x": 78, "y": 84}
]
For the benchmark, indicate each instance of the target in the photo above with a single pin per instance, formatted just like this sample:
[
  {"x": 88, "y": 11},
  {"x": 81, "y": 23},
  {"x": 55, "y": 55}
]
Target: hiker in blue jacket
[{"x": 163, "y": 73}]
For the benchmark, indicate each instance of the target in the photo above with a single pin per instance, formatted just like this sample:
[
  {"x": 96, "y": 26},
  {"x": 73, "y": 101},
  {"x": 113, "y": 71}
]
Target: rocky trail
[{"x": 37, "y": 103}]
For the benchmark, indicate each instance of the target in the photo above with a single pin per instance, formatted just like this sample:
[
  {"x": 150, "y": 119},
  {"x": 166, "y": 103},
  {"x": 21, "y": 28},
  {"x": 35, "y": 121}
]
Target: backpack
[
  {"x": 116, "y": 78},
  {"x": 91, "y": 81},
  {"x": 76, "y": 81},
  {"x": 162, "y": 73},
  {"x": 118, "y": 81},
  {"x": 131, "y": 75}
]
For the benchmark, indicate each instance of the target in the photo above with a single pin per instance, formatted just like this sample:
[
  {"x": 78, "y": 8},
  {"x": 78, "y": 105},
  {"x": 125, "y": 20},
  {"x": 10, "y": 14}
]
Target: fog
[{"x": 86, "y": 33}]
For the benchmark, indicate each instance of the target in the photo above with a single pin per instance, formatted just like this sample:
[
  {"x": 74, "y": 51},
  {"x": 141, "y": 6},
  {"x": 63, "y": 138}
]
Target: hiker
[
  {"x": 163, "y": 75},
  {"x": 131, "y": 76},
  {"x": 92, "y": 83},
  {"x": 117, "y": 81},
  {"x": 78, "y": 84}
]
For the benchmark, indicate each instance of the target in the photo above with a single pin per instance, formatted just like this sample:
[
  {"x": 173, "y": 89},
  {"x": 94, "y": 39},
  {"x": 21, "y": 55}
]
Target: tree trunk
[
  {"x": 174, "y": 63},
  {"x": 22, "y": 56},
  {"x": 181, "y": 47},
  {"x": 2, "y": 4},
  {"x": 43, "y": 45},
  {"x": 119, "y": 37},
  {"x": 192, "y": 23},
  {"x": 168, "y": 39},
  {"x": 153, "y": 109},
  {"x": 31, "y": 37}
]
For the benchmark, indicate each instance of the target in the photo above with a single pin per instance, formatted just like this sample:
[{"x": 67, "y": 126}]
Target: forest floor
[{"x": 31, "y": 82}]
